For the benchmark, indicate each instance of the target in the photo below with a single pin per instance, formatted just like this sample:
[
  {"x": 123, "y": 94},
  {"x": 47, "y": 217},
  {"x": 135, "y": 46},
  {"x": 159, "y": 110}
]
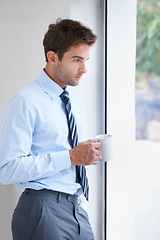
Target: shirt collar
[{"x": 48, "y": 85}]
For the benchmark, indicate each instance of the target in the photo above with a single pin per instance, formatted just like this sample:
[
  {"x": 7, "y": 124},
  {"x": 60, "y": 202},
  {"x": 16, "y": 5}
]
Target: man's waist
[{"x": 55, "y": 195}]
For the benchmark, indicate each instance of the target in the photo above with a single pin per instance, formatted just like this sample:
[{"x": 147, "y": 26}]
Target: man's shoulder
[
  {"x": 28, "y": 89},
  {"x": 25, "y": 95}
]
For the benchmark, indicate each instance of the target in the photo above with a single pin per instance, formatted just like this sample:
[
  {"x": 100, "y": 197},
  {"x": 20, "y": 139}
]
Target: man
[{"x": 41, "y": 142}]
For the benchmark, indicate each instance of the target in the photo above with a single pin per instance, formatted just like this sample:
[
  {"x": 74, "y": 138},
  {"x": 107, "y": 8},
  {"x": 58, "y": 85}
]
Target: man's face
[{"x": 70, "y": 69}]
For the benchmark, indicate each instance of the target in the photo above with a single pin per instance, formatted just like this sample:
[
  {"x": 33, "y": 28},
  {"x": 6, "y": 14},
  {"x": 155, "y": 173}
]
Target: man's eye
[{"x": 76, "y": 60}]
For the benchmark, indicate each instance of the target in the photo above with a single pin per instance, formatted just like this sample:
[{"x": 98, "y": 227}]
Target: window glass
[{"x": 148, "y": 70}]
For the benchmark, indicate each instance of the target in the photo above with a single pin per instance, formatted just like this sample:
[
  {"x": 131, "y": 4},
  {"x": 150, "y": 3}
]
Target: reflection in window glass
[{"x": 148, "y": 70}]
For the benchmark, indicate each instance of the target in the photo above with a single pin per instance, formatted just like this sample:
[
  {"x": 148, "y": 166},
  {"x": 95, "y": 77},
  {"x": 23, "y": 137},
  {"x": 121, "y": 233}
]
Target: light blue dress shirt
[{"x": 34, "y": 138}]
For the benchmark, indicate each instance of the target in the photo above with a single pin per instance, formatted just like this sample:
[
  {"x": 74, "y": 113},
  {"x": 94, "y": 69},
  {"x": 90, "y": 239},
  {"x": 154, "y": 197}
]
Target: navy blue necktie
[{"x": 73, "y": 140}]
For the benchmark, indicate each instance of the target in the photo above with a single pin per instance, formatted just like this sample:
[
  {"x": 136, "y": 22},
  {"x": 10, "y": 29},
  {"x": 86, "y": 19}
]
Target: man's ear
[{"x": 52, "y": 57}]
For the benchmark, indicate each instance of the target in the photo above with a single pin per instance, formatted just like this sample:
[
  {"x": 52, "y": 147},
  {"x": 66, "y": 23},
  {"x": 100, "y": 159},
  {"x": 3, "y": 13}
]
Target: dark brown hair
[{"x": 64, "y": 34}]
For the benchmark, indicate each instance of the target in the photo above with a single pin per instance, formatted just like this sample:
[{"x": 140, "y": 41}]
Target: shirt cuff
[{"x": 61, "y": 160}]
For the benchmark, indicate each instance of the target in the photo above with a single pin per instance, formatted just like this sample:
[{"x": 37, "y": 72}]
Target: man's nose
[{"x": 83, "y": 68}]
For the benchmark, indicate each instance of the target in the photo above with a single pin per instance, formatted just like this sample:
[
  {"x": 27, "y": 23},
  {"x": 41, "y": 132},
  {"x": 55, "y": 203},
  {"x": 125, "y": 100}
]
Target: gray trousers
[{"x": 49, "y": 215}]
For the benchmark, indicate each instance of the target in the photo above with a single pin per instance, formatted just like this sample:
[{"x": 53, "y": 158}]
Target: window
[{"x": 148, "y": 71}]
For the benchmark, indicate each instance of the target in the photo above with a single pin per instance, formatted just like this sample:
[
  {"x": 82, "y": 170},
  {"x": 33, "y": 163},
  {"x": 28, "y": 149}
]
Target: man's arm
[{"x": 17, "y": 162}]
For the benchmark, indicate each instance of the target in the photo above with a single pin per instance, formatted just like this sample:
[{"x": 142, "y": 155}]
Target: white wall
[
  {"x": 121, "y": 118},
  {"x": 23, "y": 24}
]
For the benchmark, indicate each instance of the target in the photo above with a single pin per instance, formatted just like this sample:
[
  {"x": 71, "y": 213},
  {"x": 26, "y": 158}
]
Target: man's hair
[{"x": 64, "y": 34}]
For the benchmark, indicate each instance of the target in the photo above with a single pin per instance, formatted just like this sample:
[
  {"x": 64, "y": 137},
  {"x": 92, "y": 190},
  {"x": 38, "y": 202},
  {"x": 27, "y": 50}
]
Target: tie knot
[{"x": 65, "y": 96}]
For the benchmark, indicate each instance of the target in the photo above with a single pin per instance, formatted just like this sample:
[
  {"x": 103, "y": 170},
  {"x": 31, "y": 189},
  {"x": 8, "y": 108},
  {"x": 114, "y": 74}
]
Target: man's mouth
[{"x": 78, "y": 76}]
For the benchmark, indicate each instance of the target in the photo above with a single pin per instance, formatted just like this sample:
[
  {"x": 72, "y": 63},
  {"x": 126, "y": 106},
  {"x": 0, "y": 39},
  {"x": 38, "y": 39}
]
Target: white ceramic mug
[{"x": 106, "y": 147}]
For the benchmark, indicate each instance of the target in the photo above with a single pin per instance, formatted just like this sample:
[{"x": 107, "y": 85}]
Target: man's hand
[{"x": 85, "y": 153}]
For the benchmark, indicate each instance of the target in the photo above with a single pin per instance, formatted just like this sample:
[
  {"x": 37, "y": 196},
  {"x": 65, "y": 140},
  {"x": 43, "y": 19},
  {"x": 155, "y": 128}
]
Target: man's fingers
[
  {"x": 96, "y": 145},
  {"x": 97, "y": 153}
]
